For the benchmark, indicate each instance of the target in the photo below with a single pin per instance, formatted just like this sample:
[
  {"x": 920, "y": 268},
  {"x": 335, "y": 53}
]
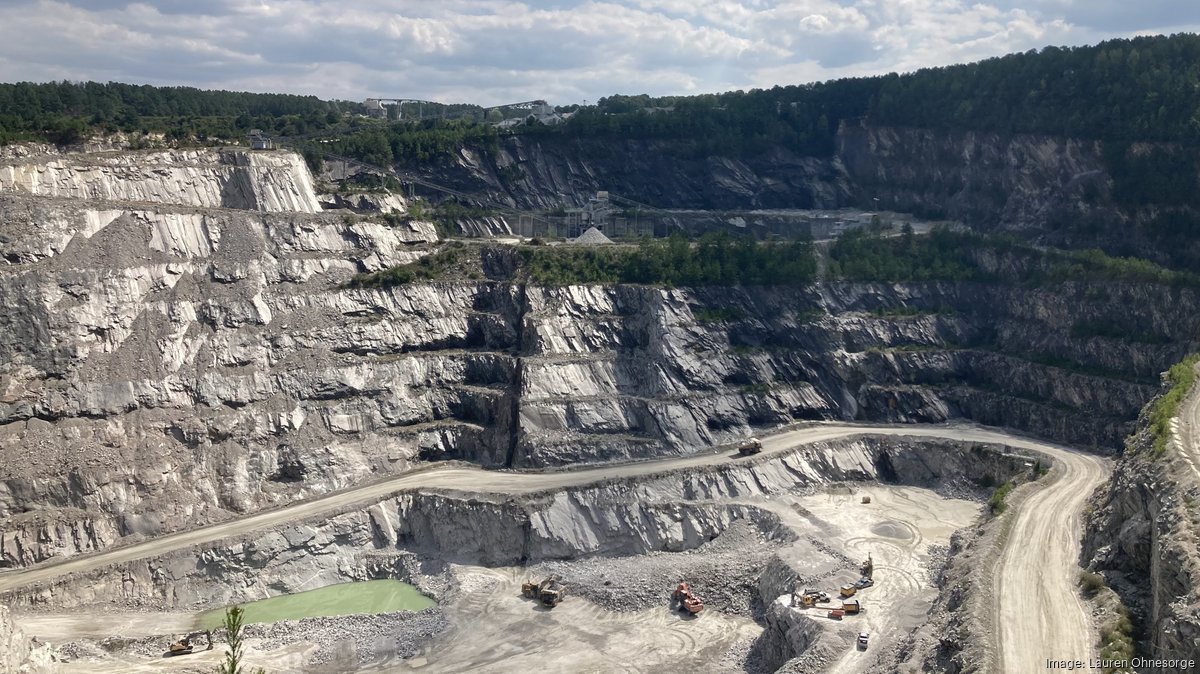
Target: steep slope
[
  {"x": 1143, "y": 532},
  {"x": 168, "y": 364}
]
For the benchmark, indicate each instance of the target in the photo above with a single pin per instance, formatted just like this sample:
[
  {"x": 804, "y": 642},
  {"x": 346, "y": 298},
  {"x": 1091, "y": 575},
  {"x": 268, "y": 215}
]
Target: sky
[{"x": 492, "y": 52}]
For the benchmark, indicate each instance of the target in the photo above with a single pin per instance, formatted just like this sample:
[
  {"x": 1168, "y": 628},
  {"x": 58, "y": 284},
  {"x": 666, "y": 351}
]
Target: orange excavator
[{"x": 686, "y": 600}]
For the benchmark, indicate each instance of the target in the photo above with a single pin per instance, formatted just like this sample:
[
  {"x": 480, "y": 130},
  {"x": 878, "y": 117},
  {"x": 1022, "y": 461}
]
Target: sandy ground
[
  {"x": 497, "y": 630},
  {"x": 896, "y": 529},
  {"x": 493, "y": 629}
]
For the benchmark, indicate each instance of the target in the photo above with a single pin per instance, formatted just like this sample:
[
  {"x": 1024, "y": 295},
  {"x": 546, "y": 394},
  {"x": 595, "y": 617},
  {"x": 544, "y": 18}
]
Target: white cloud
[{"x": 494, "y": 51}]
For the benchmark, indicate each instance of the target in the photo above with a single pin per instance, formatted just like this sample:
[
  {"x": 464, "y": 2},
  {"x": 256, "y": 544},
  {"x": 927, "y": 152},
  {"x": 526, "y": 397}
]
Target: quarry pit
[{"x": 745, "y": 532}]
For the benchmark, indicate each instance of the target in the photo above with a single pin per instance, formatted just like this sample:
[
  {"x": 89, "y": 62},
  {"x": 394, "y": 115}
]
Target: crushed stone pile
[{"x": 592, "y": 237}]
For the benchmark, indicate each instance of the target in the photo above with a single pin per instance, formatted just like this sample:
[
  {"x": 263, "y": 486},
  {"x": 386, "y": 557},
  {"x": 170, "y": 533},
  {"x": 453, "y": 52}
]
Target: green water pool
[{"x": 372, "y": 596}]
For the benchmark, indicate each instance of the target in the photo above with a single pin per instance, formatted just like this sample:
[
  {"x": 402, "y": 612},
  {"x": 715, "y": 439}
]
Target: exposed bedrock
[
  {"x": 1141, "y": 536},
  {"x": 166, "y": 363},
  {"x": 415, "y": 534}
]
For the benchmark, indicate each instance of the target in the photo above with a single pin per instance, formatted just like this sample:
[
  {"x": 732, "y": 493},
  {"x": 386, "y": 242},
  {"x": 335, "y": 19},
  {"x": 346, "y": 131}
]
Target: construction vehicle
[
  {"x": 851, "y": 606},
  {"x": 549, "y": 592},
  {"x": 809, "y": 597},
  {"x": 686, "y": 600},
  {"x": 848, "y": 590},
  {"x": 750, "y": 446},
  {"x": 868, "y": 567},
  {"x": 185, "y": 645}
]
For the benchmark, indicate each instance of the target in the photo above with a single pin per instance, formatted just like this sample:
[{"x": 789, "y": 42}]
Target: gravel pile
[
  {"x": 366, "y": 638},
  {"x": 592, "y": 237},
  {"x": 723, "y": 573}
]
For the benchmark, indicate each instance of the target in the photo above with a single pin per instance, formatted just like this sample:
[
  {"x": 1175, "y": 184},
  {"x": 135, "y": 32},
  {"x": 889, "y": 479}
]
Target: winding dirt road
[
  {"x": 1039, "y": 616},
  {"x": 1038, "y": 612}
]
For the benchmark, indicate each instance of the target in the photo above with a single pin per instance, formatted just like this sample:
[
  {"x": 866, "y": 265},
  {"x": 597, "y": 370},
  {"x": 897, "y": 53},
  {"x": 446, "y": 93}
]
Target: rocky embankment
[
  {"x": 1142, "y": 537},
  {"x": 179, "y": 344},
  {"x": 20, "y": 654},
  {"x": 412, "y": 536}
]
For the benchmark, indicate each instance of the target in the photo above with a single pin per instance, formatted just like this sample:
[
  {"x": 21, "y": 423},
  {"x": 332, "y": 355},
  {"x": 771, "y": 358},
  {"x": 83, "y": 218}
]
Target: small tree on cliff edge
[{"x": 233, "y": 654}]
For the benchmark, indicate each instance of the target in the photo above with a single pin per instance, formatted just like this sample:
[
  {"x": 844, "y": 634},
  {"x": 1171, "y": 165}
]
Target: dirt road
[
  {"x": 1040, "y": 616},
  {"x": 478, "y": 480},
  {"x": 1184, "y": 430},
  {"x": 1038, "y": 611}
]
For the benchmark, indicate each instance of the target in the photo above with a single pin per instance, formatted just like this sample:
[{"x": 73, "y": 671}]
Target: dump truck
[
  {"x": 750, "y": 446},
  {"x": 851, "y": 606},
  {"x": 549, "y": 592},
  {"x": 686, "y": 600},
  {"x": 187, "y": 644}
]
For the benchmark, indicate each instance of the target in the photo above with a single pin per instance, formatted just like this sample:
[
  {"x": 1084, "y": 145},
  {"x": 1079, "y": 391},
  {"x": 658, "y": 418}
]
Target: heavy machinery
[
  {"x": 686, "y": 600},
  {"x": 868, "y": 567},
  {"x": 750, "y": 446},
  {"x": 810, "y": 597},
  {"x": 185, "y": 645},
  {"x": 549, "y": 592}
]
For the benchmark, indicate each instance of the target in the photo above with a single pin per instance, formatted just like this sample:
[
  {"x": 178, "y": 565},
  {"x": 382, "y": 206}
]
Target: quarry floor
[{"x": 493, "y": 629}]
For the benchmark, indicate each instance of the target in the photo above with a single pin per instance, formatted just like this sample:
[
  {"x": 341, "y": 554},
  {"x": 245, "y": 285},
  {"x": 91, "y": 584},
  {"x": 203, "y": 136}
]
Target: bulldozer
[
  {"x": 549, "y": 592},
  {"x": 686, "y": 601},
  {"x": 186, "y": 645}
]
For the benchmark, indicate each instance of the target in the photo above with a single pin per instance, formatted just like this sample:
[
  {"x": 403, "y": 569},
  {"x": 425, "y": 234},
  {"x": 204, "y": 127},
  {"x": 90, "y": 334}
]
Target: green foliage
[
  {"x": 233, "y": 653},
  {"x": 1180, "y": 379},
  {"x": 943, "y": 255},
  {"x": 65, "y": 112},
  {"x": 716, "y": 259},
  {"x": 996, "y": 504},
  {"x": 428, "y": 268},
  {"x": 1091, "y": 583},
  {"x": 404, "y": 142}
]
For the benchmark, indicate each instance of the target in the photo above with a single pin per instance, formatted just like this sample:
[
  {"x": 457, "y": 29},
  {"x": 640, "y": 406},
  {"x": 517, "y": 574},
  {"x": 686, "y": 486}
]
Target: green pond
[{"x": 372, "y": 596}]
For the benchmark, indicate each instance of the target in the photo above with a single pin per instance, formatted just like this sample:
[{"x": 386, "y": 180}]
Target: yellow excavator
[{"x": 187, "y": 644}]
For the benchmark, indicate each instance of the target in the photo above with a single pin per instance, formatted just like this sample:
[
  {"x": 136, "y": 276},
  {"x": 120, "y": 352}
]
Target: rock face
[
  {"x": 1141, "y": 536},
  {"x": 170, "y": 356},
  {"x": 1052, "y": 190},
  {"x": 19, "y": 654},
  {"x": 414, "y": 533},
  {"x": 207, "y": 178}
]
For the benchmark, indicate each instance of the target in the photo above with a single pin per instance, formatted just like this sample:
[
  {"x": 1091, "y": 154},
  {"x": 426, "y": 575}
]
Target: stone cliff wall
[
  {"x": 163, "y": 365},
  {"x": 1142, "y": 537}
]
